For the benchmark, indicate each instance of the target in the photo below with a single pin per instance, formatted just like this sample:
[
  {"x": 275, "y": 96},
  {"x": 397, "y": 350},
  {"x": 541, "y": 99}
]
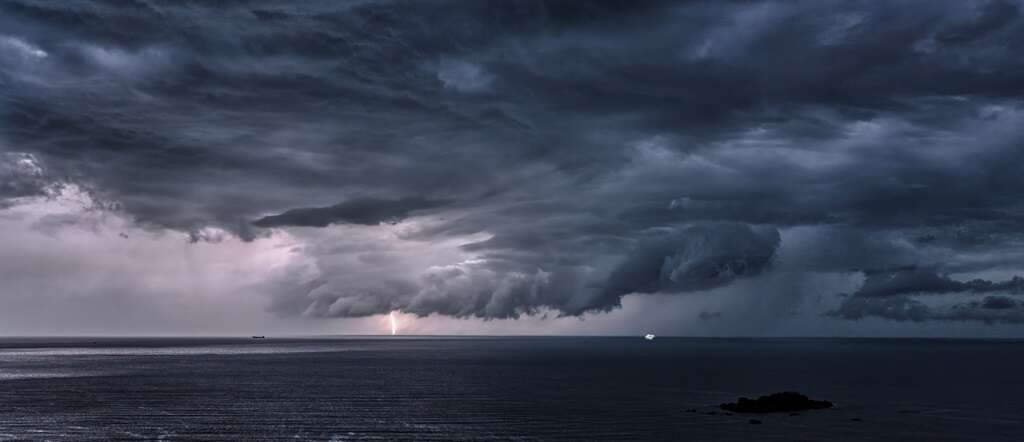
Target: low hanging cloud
[
  {"x": 366, "y": 211},
  {"x": 690, "y": 259},
  {"x": 920, "y": 281},
  {"x": 695, "y": 258},
  {"x": 903, "y": 295},
  {"x": 989, "y": 310}
]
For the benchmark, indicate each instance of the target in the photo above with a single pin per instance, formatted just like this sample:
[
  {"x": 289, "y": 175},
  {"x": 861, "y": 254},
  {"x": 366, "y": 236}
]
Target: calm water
[{"x": 505, "y": 389}]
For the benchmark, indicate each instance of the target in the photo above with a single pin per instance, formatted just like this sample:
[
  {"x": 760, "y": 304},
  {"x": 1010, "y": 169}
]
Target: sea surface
[{"x": 483, "y": 388}]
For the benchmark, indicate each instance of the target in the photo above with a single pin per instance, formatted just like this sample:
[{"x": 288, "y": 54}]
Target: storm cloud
[
  {"x": 21, "y": 175},
  {"x": 922, "y": 281},
  {"x": 356, "y": 211},
  {"x": 500, "y": 160},
  {"x": 699, "y": 257},
  {"x": 990, "y": 310},
  {"x": 902, "y": 295},
  {"x": 688, "y": 260}
]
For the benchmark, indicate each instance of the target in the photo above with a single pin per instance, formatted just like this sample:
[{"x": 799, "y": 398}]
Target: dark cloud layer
[
  {"x": 696, "y": 258},
  {"x": 367, "y": 211},
  {"x": 584, "y": 150},
  {"x": 687, "y": 260},
  {"x": 890, "y": 295},
  {"x": 990, "y": 310},
  {"x": 916, "y": 281}
]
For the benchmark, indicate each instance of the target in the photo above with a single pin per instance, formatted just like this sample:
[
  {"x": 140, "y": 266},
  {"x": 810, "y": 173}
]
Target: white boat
[{"x": 649, "y": 337}]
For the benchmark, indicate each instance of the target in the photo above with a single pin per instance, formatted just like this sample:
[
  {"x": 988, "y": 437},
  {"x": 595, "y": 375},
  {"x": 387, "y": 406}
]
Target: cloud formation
[
  {"x": 499, "y": 287},
  {"x": 486, "y": 160},
  {"x": 990, "y": 310},
  {"x": 699, "y": 257},
  {"x": 21, "y": 175},
  {"x": 917, "y": 281},
  {"x": 891, "y": 295},
  {"x": 367, "y": 211}
]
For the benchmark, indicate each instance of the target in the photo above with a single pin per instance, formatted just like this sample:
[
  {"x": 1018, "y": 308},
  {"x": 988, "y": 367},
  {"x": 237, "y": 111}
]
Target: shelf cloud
[{"x": 529, "y": 158}]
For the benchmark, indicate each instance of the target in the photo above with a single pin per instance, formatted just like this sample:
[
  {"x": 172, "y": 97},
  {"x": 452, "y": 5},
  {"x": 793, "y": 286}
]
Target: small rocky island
[{"x": 787, "y": 401}]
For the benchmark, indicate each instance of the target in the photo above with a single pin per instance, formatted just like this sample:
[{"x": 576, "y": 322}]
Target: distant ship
[
  {"x": 649, "y": 337},
  {"x": 259, "y": 337}
]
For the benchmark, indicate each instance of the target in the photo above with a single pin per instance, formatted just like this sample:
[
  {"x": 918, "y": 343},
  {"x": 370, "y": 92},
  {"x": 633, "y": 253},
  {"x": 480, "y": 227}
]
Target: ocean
[{"x": 505, "y": 388}]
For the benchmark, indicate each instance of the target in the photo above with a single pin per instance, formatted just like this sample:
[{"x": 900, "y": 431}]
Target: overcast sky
[{"x": 553, "y": 167}]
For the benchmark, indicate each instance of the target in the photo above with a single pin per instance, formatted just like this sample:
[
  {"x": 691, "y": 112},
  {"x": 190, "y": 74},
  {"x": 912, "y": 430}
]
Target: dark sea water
[{"x": 505, "y": 389}]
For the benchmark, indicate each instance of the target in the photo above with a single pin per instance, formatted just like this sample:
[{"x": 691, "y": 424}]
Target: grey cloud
[
  {"x": 696, "y": 258},
  {"x": 354, "y": 301},
  {"x": 469, "y": 291},
  {"x": 919, "y": 281},
  {"x": 329, "y": 101},
  {"x": 832, "y": 248},
  {"x": 463, "y": 76},
  {"x": 998, "y": 302},
  {"x": 367, "y": 211},
  {"x": 578, "y": 142},
  {"x": 21, "y": 175},
  {"x": 504, "y": 286},
  {"x": 903, "y": 295},
  {"x": 476, "y": 290},
  {"x": 991, "y": 310},
  {"x": 990, "y": 17},
  {"x": 899, "y": 308}
]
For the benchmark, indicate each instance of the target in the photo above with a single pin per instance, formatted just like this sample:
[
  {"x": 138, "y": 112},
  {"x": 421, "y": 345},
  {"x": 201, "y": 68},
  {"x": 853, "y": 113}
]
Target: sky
[{"x": 807, "y": 168}]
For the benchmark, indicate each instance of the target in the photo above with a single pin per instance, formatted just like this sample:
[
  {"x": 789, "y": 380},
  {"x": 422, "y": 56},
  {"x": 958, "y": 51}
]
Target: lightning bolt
[{"x": 394, "y": 323}]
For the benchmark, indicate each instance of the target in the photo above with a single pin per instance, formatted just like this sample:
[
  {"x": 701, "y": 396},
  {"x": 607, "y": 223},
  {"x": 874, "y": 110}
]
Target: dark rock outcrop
[{"x": 787, "y": 401}]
